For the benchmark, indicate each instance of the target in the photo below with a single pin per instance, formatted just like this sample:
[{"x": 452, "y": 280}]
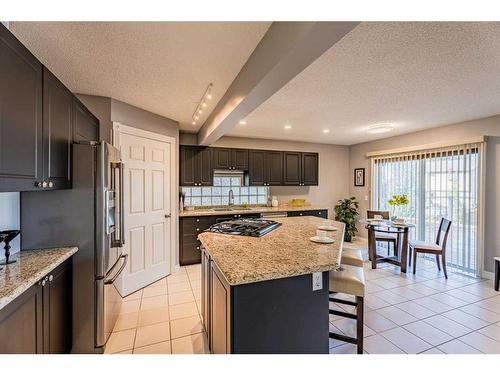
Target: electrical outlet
[{"x": 317, "y": 279}]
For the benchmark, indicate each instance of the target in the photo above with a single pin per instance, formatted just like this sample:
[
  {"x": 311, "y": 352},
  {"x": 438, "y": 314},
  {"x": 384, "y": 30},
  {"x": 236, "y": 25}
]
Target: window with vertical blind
[{"x": 440, "y": 182}]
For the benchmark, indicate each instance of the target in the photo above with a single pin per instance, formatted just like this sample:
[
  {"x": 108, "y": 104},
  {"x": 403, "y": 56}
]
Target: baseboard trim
[{"x": 488, "y": 275}]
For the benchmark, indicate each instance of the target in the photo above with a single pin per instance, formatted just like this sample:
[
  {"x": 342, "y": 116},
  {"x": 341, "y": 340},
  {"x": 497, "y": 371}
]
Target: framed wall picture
[{"x": 359, "y": 177}]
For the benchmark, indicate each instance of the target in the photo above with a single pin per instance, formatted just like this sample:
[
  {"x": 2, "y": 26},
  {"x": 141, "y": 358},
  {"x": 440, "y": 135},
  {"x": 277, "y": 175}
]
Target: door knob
[{"x": 167, "y": 215}]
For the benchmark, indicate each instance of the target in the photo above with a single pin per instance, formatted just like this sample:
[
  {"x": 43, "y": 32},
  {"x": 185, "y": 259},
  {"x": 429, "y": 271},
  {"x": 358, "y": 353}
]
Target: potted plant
[
  {"x": 346, "y": 211},
  {"x": 397, "y": 201}
]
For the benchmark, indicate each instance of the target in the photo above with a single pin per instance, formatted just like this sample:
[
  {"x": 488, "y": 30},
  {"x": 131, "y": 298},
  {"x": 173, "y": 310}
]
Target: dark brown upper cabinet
[
  {"x": 301, "y": 168},
  {"x": 265, "y": 168},
  {"x": 57, "y": 132},
  {"x": 257, "y": 167},
  {"x": 310, "y": 169},
  {"x": 230, "y": 158},
  {"x": 85, "y": 124},
  {"x": 21, "y": 92},
  {"x": 196, "y": 166},
  {"x": 39, "y": 119},
  {"x": 292, "y": 168}
]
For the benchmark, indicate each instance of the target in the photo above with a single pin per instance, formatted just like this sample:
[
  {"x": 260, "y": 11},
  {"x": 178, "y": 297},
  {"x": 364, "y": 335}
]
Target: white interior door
[{"x": 147, "y": 205}]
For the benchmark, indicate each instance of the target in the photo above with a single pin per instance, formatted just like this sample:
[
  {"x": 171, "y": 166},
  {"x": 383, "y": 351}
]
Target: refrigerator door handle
[
  {"x": 112, "y": 280},
  {"x": 122, "y": 209},
  {"x": 121, "y": 212}
]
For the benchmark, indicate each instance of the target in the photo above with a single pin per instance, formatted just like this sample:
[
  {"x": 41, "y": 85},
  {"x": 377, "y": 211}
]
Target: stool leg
[
  {"x": 437, "y": 261},
  {"x": 409, "y": 256},
  {"x": 414, "y": 261},
  {"x": 359, "y": 323},
  {"x": 497, "y": 275}
]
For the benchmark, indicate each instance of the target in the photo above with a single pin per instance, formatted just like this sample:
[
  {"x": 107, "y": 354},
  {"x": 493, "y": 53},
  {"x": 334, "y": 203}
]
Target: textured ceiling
[
  {"x": 163, "y": 67},
  {"x": 414, "y": 75}
]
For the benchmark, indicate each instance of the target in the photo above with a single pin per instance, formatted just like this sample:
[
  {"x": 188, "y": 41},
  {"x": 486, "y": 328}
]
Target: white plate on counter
[
  {"x": 328, "y": 228},
  {"x": 318, "y": 239}
]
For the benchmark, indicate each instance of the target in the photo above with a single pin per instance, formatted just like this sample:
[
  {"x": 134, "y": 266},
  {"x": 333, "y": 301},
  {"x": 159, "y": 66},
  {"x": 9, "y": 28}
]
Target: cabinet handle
[{"x": 51, "y": 277}]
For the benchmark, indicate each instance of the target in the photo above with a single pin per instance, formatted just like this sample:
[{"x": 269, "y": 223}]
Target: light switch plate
[{"x": 317, "y": 279}]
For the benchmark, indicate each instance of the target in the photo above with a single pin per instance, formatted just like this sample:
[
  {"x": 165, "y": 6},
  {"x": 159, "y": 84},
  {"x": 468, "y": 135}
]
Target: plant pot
[{"x": 347, "y": 237}]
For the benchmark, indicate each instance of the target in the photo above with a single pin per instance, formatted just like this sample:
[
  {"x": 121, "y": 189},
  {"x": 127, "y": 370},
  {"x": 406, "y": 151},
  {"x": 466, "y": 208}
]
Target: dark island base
[
  {"x": 281, "y": 316},
  {"x": 268, "y": 317}
]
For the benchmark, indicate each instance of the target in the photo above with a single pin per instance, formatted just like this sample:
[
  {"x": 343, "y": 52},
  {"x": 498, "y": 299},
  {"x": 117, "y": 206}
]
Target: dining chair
[
  {"x": 438, "y": 248},
  {"x": 384, "y": 237}
]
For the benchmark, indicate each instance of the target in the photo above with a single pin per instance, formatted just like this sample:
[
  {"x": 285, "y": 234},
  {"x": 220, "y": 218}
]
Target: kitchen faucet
[{"x": 231, "y": 197}]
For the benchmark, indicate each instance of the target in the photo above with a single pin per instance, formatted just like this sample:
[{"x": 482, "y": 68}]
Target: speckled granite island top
[
  {"x": 30, "y": 267},
  {"x": 284, "y": 252}
]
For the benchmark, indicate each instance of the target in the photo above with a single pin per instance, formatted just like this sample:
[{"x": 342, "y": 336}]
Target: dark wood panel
[
  {"x": 204, "y": 169},
  {"x": 205, "y": 291},
  {"x": 21, "y": 91},
  {"x": 257, "y": 167},
  {"x": 292, "y": 168},
  {"x": 57, "y": 131},
  {"x": 57, "y": 304},
  {"x": 274, "y": 168},
  {"x": 289, "y": 317},
  {"x": 21, "y": 328},
  {"x": 188, "y": 165},
  {"x": 310, "y": 169},
  {"x": 222, "y": 158},
  {"x": 219, "y": 313},
  {"x": 318, "y": 213},
  {"x": 85, "y": 124},
  {"x": 239, "y": 159}
]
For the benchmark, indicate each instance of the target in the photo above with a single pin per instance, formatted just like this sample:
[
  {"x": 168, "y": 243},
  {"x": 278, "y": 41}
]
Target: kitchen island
[{"x": 268, "y": 294}]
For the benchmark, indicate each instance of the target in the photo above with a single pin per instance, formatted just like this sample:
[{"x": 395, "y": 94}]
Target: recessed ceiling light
[
  {"x": 243, "y": 122},
  {"x": 193, "y": 123},
  {"x": 380, "y": 128},
  {"x": 287, "y": 127},
  {"x": 326, "y": 131},
  {"x": 203, "y": 104},
  {"x": 209, "y": 96}
]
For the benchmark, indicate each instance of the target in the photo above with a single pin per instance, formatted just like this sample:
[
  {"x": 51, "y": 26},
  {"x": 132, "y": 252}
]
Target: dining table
[{"x": 399, "y": 229}]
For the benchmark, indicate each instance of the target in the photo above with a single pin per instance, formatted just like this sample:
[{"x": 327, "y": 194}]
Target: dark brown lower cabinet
[
  {"x": 39, "y": 320},
  {"x": 318, "y": 213},
  {"x": 288, "y": 317},
  {"x": 21, "y": 326}
]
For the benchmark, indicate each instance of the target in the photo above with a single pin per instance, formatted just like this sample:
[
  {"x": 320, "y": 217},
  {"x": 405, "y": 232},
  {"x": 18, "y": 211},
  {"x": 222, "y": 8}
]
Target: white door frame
[{"x": 118, "y": 129}]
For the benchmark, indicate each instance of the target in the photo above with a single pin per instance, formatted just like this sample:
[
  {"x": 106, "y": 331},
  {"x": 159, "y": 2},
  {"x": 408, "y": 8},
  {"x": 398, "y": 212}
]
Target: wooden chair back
[
  {"x": 371, "y": 214},
  {"x": 443, "y": 231}
]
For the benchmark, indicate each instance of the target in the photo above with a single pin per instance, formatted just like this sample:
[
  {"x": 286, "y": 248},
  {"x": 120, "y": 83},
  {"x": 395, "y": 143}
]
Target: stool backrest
[
  {"x": 371, "y": 214},
  {"x": 443, "y": 231}
]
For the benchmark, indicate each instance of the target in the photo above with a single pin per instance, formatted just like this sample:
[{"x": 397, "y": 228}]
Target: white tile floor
[{"x": 422, "y": 313}]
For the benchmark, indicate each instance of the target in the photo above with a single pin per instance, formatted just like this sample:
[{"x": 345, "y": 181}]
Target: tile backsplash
[{"x": 218, "y": 195}]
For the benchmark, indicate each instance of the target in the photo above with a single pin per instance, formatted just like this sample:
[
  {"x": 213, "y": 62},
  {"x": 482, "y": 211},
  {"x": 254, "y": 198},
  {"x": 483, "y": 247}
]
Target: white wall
[
  {"x": 487, "y": 126},
  {"x": 9, "y": 218}
]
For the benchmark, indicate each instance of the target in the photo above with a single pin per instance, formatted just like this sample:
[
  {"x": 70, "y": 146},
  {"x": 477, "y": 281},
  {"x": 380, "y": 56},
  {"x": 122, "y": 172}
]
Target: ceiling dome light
[
  {"x": 380, "y": 128},
  {"x": 243, "y": 122},
  {"x": 325, "y": 131},
  {"x": 287, "y": 127}
]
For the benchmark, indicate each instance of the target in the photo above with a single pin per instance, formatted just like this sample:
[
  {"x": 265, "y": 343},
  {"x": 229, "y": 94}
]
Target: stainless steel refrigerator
[{"x": 90, "y": 216}]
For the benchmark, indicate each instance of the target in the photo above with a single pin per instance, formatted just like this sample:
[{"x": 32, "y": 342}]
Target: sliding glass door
[{"x": 439, "y": 183}]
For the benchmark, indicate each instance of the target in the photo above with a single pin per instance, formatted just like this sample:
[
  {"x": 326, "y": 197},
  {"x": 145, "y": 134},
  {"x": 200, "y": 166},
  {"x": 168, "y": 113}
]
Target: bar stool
[
  {"x": 352, "y": 257},
  {"x": 349, "y": 279}
]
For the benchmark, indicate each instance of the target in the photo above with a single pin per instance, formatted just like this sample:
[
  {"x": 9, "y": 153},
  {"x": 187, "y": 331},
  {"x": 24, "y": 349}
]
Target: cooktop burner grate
[{"x": 245, "y": 227}]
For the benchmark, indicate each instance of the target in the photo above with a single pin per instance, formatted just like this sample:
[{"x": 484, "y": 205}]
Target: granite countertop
[
  {"x": 30, "y": 267},
  {"x": 284, "y": 252},
  {"x": 238, "y": 210}
]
